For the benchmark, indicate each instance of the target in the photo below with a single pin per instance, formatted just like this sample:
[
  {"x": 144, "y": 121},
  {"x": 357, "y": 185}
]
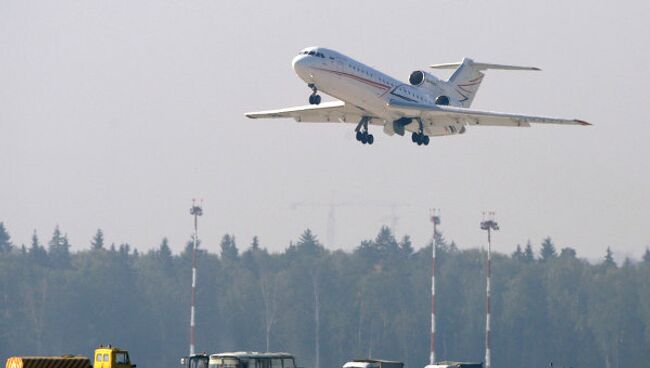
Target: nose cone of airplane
[{"x": 301, "y": 66}]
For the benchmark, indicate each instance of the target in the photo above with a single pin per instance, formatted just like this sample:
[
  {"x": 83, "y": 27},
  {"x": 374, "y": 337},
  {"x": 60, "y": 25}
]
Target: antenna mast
[
  {"x": 195, "y": 211},
  {"x": 488, "y": 224},
  {"x": 435, "y": 220}
]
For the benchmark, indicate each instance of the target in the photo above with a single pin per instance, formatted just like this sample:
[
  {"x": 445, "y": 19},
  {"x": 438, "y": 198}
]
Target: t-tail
[{"x": 468, "y": 77}]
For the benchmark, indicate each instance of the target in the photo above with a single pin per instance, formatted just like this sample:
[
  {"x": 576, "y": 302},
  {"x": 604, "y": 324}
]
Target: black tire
[
  {"x": 311, "y": 99},
  {"x": 371, "y": 138},
  {"x": 425, "y": 140},
  {"x": 359, "y": 135},
  {"x": 414, "y": 137},
  {"x": 364, "y": 138},
  {"x": 317, "y": 100}
]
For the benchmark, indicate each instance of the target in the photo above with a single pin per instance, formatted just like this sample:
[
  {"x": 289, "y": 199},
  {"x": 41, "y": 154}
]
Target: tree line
[{"x": 325, "y": 306}]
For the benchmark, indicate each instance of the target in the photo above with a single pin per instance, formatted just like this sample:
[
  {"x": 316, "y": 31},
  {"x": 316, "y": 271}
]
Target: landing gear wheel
[
  {"x": 364, "y": 138},
  {"x": 414, "y": 137},
  {"x": 362, "y": 131},
  {"x": 314, "y": 98},
  {"x": 425, "y": 140}
]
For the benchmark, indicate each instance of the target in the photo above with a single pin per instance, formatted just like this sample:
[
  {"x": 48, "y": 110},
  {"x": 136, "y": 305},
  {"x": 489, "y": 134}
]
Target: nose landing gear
[
  {"x": 362, "y": 131},
  {"x": 314, "y": 98}
]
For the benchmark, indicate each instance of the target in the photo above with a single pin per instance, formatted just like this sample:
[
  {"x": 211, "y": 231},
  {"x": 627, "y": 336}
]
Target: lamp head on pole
[
  {"x": 196, "y": 210},
  {"x": 489, "y": 222},
  {"x": 435, "y": 216}
]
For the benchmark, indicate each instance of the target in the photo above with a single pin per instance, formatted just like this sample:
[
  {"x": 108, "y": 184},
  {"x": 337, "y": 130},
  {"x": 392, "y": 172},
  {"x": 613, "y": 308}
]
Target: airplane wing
[
  {"x": 473, "y": 117},
  {"x": 327, "y": 112}
]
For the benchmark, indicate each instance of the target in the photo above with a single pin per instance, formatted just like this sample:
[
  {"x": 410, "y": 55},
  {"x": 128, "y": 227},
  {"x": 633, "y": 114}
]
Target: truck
[
  {"x": 455, "y": 365},
  {"x": 104, "y": 357},
  {"x": 112, "y": 357},
  {"x": 373, "y": 363},
  {"x": 243, "y": 359},
  {"x": 196, "y": 361}
]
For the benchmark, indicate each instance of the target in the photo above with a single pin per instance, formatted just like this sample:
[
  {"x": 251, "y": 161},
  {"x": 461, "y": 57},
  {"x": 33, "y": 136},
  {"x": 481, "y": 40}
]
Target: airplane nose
[{"x": 300, "y": 66}]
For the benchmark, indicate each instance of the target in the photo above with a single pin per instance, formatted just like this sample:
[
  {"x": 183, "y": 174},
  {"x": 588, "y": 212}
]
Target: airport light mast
[
  {"x": 195, "y": 211},
  {"x": 435, "y": 220},
  {"x": 489, "y": 224}
]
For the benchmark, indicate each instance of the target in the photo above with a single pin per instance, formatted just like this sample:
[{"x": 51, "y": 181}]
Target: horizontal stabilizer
[{"x": 482, "y": 66}]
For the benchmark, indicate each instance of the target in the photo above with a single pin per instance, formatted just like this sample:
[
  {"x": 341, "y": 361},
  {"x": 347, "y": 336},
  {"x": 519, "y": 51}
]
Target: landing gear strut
[
  {"x": 314, "y": 98},
  {"x": 362, "y": 131},
  {"x": 418, "y": 137}
]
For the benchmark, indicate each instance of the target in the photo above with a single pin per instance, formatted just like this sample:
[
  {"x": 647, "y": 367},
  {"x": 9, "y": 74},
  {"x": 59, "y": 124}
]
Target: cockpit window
[{"x": 314, "y": 53}]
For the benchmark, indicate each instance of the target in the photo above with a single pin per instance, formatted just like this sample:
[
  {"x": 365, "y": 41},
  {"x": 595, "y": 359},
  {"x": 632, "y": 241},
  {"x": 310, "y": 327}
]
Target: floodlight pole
[
  {"x": 435, "y": 220},
  {"x": 195, "y": 211},
  {"x": 488, "y": 224}
]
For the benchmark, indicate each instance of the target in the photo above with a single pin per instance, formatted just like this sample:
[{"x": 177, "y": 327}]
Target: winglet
[{"x": 582, "y": 122}]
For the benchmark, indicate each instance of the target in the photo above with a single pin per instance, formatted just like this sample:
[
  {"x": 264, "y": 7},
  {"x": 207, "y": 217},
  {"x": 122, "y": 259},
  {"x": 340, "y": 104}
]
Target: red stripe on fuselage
[{"x": 360, "y": 79}]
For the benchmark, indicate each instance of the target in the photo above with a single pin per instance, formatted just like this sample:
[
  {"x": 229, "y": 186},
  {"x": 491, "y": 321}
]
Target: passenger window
[
  {"x": 98, "y": 358},
  {"x": 106, "y": 357}
]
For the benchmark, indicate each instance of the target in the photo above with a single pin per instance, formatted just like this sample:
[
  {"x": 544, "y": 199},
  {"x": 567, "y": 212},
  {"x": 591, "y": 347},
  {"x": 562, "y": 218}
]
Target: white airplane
[{"x": 427, "y": 107}]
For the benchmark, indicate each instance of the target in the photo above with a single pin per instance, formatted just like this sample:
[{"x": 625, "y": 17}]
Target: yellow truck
[
  {"x": 112, "y": 357},
  {"x": 105, "y": 357}
]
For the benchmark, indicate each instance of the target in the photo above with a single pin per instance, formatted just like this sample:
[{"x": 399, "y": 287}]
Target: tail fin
[{"x": 468, "y": 77}]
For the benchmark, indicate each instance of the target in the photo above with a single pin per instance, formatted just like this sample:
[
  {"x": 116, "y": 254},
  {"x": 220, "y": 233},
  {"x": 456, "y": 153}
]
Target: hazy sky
[{"x": 115, "y": 114}]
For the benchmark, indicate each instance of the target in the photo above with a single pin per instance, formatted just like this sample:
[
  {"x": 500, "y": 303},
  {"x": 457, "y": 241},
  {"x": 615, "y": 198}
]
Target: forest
[{"x": 324, "y": 306}]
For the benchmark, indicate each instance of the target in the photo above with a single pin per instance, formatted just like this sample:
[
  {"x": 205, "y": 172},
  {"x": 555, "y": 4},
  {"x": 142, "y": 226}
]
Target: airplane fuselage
[{"x": 354, "y": 82}]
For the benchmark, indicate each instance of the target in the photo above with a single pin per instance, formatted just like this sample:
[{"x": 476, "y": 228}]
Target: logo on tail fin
[{"x": 469, "y": 88}]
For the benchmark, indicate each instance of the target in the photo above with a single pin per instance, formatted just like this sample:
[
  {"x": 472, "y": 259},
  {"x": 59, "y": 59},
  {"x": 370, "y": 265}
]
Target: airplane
[{"x": 426, "y": 107}]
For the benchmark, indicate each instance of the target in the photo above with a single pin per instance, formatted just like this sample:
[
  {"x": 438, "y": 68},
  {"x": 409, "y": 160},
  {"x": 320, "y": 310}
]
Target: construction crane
[{"x": 333, "y": 206}]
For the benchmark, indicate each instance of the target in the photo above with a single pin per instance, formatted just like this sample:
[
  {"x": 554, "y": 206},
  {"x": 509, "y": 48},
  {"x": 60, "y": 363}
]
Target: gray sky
[{"x": 114, "y": 114}]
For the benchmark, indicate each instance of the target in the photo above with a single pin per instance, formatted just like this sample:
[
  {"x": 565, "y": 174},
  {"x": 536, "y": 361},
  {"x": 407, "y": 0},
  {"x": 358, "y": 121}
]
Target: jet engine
[{"x": 425, "y": 80}]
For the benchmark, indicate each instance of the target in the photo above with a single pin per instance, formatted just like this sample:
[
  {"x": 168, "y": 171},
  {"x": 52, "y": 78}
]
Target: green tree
[
  {"x": 97, "y": 241},
  {"x": 548, "y": 250},
  {"x": 229, "y": 249},
  {"x": 568, "y": 252},
  {"x": 608, "y": 262},
  {"x": 518, "y": 254},
  {"x": 37, "y": 253},
  {"x": 529, "y": 255},
  {"x": 59, "y": 249},
  {"x": 406, "y": 246},
  {"x": 164, "y": 252},
  {"x": 5, "y": 239}
]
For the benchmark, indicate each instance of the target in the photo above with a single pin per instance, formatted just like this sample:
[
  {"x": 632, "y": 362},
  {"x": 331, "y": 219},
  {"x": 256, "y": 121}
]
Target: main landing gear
[
  {"x": 418, "y": 137},
  {"x": 362, "y": 131},
  {"x": 314, "y": 98}
]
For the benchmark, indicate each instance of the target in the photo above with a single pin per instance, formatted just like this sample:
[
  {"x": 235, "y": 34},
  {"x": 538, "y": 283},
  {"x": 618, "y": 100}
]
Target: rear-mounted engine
[{"x": 423, "y": 79}]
